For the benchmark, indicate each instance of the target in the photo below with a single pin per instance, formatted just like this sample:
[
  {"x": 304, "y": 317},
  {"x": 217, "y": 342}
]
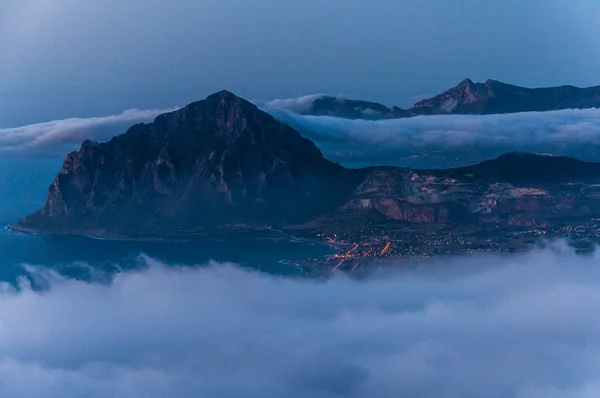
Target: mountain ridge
[
  {"x": 466, "y": 98},
  {"x": 223, "y": 163}
]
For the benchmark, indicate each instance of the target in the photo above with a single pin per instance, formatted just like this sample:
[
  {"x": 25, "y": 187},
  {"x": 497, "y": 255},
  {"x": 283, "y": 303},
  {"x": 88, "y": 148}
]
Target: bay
[{"x": 23, "y": 186}]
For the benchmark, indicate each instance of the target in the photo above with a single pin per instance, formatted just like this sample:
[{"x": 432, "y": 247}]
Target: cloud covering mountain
[
  {"x": 424, "y": 141},
  {"x": 61, "y": 136},
  {"x": 296, "y": 105},
  {"x": 492, "y": 326}
]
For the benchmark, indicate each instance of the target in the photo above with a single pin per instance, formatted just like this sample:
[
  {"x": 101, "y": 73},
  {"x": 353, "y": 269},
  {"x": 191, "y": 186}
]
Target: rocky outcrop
[
  {"x": 496, "y": 97},
  {"x": 215, "y": 162},
  {"x": 514, "y": 189},
  {"x": 400, "y": 210}
]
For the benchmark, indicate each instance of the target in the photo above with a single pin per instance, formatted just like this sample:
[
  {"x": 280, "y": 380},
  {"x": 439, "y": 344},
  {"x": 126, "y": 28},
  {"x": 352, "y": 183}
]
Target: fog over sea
[{"x": 96, "y": 318}]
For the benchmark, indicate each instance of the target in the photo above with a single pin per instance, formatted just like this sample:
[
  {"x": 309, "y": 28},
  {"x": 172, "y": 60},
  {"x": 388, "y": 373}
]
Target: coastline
[
  {"x": 107, "y": 237},
  {"x": 182, "y": 239}
]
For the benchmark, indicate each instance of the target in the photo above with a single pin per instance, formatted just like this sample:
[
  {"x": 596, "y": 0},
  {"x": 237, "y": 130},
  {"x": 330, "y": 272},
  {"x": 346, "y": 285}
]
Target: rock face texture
[
  {"x": 467, "y": 98},
  {"x": 497, "y": 97},
  {"x": 223, "y": 164},
  {"x": 215, "y": 162},
  {"x": 516, "y": 189}
]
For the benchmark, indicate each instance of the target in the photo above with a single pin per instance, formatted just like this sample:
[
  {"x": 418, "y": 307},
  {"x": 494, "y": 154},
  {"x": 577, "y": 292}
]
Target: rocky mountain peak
[
  {"x": 494, "y": 96},
  {"x": 224, "y": 95},
  {"x": 216, "y": 161},
  {"x": 465, "y": 96},
  {"x": 226, "y": 100},
  {"x": 465, "y": 83}
]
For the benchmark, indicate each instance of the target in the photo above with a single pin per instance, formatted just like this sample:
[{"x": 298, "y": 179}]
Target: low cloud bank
[
  {"x": 296, "y": 105},
  {"x": 491, "y": 326},
  {"x": 425, "y": 141},
  {"x": 61, "y": 136},
  {"x": 571, "y": 132}
]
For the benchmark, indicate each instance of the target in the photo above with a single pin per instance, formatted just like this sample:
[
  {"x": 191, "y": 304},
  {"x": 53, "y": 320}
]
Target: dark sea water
[{"x": 23, "y": 186}]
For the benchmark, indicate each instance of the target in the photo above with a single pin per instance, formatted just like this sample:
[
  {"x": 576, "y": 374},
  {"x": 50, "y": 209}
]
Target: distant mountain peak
[
  {"x": 465, "y": 82},
  {"x": 351, "y": 109},
  {"x": 224, "y": 95},
  {"x": 223, "y": 98},
  {"x": 465, "y": 98},
  {"x": 495, "y": 97}
]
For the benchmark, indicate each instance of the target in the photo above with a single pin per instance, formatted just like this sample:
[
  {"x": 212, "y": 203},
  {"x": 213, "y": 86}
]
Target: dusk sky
[{"x": 66, "y": 58}]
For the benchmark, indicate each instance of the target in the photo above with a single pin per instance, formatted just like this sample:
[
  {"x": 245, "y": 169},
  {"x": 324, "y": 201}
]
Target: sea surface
[{"x": 23, "y": 186}]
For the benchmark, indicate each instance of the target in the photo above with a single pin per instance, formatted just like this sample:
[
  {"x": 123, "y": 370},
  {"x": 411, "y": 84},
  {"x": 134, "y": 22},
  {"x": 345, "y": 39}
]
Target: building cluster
[{"x": 369, "y": 245}]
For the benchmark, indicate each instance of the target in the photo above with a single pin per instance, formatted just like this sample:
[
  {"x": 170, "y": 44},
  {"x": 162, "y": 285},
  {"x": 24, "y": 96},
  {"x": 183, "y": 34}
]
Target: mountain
[
  {"x": 215, "y": 162},
  {"x": 496, "y": 97},
  {"x": 520, "y": 167},
  {"x": 353, "y": 109},
  {"x": 467, "y": 98},
  {"x": 222, "y": 164},
  {"x": 534, "y": 189}
]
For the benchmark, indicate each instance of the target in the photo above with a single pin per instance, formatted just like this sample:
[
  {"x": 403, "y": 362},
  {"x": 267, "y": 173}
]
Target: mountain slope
[
  {"x": 467, "y": 98},
  {"x": 222, "y": 163},
  {"x": 215, "y": 162},
  {"x": 519, "y": 168},
  {"x": 496, "y": 97},
  {"x": 353, "y": 109}
]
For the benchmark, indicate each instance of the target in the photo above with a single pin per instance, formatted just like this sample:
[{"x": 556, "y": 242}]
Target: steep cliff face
[
  {"x": 511, "y": 190},
  {"x": 466, "y": 97},
  {"x": 411, "y": 196},
  {"x": 215, "y": 162}
]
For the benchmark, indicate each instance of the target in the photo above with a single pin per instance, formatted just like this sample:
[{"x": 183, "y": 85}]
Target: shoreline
[{"x": 119, "y": 238}]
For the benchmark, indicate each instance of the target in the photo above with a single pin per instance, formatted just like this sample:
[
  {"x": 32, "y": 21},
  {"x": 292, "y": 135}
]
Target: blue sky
[{"x": 81, "y": 58}]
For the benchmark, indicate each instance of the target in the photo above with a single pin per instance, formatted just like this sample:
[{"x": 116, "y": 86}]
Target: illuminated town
[{"x": 354, "y": 250}]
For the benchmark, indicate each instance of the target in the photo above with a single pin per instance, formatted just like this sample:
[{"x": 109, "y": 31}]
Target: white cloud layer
[
  {"x": 571, "y": 132},
  {"x": 296, "y": 105},
  {"x": 523, "y": 326},
  {"x": 61, "y": 136},
  {"x": 454, "y": 139}
]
